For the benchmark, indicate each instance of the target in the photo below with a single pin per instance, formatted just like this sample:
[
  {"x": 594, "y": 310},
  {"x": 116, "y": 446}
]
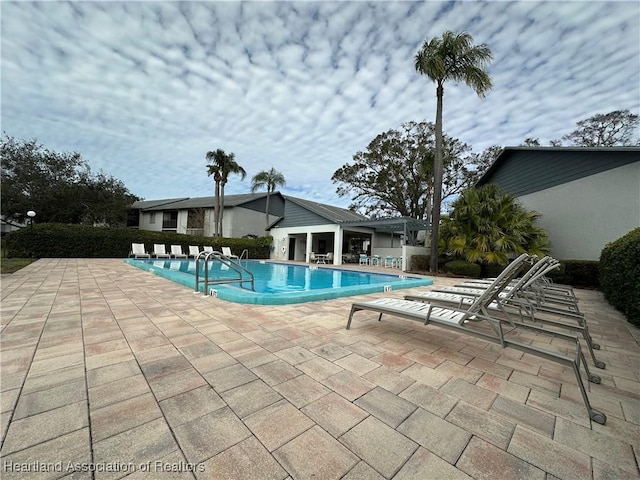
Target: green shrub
[
  {"x": 463, "y": 268},
  {"x": 79, "y": 241},
  {"x": 620, "y": 274},
  {"x": 579, "y": 273},
  {"x": 420, "y": 263},
  {"x": 491, "y": 270}
]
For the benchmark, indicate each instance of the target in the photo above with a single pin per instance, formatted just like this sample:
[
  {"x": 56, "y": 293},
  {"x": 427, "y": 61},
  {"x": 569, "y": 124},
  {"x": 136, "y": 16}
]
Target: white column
[
  {"x": 337, "y": 246},
  {"x": 309, "y": 246}
]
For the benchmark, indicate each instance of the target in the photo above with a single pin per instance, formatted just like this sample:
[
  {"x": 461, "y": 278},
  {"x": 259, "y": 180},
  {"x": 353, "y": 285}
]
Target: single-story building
[
  {"x": 299, "y": 227},
  {"x": 308, "y": 227},
  {"x": 587, "y": 196}
]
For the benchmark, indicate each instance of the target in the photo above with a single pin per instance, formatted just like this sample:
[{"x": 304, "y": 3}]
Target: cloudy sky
[{"x": 144, "y": 89}]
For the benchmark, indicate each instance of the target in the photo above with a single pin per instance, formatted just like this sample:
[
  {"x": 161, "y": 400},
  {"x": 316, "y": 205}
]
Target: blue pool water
[{"x": 279, "y": 283}]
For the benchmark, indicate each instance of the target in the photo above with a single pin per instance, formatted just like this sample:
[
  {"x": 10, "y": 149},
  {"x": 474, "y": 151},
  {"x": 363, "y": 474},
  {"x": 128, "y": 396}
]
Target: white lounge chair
[
  {"x": 226, "y": 251},
  {"x": 534, "y": 294},
  {"x": 467, "y": 321},
  {"x": 159, "y": 251},
  {"x": 176, "y": 251},
  {"x": 138, "y": 251},
  {"x": 207, "y": 249},
  {"x": 512, "y": 301},
  {"x": 194, "y": 251}
]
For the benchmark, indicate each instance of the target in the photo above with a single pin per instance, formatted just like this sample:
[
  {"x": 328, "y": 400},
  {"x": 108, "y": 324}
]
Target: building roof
[
  {"x": 154, "y": 204},
  {"x": 396, "y": 224},
  {"x": 187, "y": 203},
  {"x": 524, "y": 170},
  {"x": 329, "y": 212}
]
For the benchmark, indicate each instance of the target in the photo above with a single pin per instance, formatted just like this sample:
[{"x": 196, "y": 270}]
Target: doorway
[{"x": 292, "y": 249}]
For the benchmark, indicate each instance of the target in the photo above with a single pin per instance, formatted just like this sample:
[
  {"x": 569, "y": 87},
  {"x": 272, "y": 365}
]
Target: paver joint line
[{"x": 415, "y": 386}]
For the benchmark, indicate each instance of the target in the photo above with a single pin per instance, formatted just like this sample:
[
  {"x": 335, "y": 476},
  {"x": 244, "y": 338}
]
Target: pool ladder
[{"x": 204, "y": 258}]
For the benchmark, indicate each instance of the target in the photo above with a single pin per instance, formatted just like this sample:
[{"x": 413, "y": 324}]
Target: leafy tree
[
  {"x": 394, "y": 176},
  {"x": 617, "y": 128},
  {"x": 59, "y": 187},
  {"x": 451, "y": 57},
  {"x": 269, "y": 179},
  {"x": 488, "y": 226},
  {"x": 482, "y": 162},
  {"x": 531, "y": 142},
  {"x": 222, "y": 165}
]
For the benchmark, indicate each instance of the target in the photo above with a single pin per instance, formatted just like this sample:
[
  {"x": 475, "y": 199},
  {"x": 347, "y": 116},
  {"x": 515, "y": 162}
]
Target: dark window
[{"x": 170, "y": 220}]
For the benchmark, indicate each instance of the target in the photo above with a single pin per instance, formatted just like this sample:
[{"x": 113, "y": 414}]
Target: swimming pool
[{"x": 279, "y": 283}]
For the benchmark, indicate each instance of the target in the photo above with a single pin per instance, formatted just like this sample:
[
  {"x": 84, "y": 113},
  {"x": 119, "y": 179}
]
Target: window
[{"x": 170, "y": 220}]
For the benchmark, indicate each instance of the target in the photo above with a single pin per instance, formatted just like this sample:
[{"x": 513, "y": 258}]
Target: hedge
[
  {"x": 422, "y": 263},
  {"x": 579, "y": 273},
  {"x": 54, "y": 240},
  {"x": 620, "y": 275},
  {"x": 463, "y": 268}
]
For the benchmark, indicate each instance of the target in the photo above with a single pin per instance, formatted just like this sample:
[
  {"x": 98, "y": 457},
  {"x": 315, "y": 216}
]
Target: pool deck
[{"x": 108, "y": 371}]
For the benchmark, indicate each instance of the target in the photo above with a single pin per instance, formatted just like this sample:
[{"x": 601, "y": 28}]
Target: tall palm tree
[
  {"x": 451, "y": 57},
  {"x": 270, "y": 179},
  {"x": 222, "y": 165},
  {"x": 213, "y": 169}
]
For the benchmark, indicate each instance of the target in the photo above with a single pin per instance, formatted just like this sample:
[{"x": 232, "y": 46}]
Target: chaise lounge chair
[
  {"x": 463, "y": 322},
  {"x": 194, "y": 251},
  {"x": 476, "y": 320},
  {"x": 538, "y": 292},
  {"x": 138, "y": 251},
  {"x": 529, "y": 300},
  {"x": 226, "y": 251},
  {"x": 176, "y": 251},
  {"x": 514, "y": 300},
  {"x": 159, "y": 251}
]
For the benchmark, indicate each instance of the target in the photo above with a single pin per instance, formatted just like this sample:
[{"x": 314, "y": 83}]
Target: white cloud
[{"x": 144, "y": 89}]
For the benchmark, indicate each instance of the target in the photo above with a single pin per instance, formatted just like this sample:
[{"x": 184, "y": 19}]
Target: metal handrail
[
  {"x": 239, "y": 269},
  {"x": 242, "y": 255}
]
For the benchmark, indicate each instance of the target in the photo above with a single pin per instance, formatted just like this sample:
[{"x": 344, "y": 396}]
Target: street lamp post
[{"x": 31, "y": 214}]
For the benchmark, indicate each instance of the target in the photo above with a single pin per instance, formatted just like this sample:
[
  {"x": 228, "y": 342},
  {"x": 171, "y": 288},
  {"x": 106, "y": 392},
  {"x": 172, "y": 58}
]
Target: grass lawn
[{"x": 10, "y": 265}]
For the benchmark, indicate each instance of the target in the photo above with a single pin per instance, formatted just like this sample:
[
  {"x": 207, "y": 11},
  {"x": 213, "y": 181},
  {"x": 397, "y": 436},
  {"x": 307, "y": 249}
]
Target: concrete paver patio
[{"x": 108, "y": 371}]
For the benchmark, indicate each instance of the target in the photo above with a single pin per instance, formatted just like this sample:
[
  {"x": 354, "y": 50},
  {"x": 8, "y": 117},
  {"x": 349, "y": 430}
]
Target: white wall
[
  {"x": 145, "y": 221},
  {"x": 582, "y": 216},
  {"x": 281, "y": 241},
  {"x": 385, "y": 240}
]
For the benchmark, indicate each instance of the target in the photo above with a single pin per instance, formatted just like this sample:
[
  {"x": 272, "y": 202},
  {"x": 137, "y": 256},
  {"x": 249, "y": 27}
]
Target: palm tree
[
  {"x": 490, "y": 226},
  {"x": 222, "y": 165},
  {"x": 452, "y": 57},
  {"x": 269, "y": 179},
  {"x": 213, "y": 168}
]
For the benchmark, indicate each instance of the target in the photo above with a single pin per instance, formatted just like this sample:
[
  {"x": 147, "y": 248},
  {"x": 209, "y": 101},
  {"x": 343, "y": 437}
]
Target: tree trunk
[
  {"x": 221, "y": 206},
  {"x": 216, "y": 209},
  {"x": 437, "y": 183},
  {"x": 267, "y": 212}
]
